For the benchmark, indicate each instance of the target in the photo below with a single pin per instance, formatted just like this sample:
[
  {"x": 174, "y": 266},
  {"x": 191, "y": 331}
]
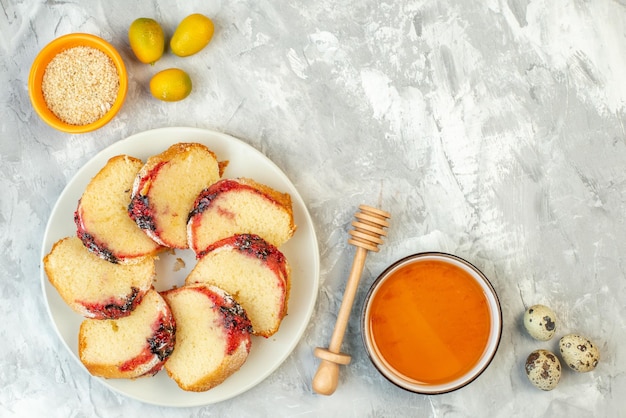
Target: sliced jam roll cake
[
  {"x": 93, "y": 287},
  {"x": 166, "y": 187},
  {"x": 212, "y": 336},
  {"x": 240, "y": 206},
  {"x": 135, "y": 346},
  {"x": 101, "y": 217},
  {"x": 252, "y": 270}
]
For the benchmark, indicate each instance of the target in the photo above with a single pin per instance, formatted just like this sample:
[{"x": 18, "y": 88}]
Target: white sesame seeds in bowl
[{"x": 78, "y": 83}]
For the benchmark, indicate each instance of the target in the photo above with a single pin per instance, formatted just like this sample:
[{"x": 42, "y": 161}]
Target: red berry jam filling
[
  {"x": 139, "y": 208},
  {"x": 114, "y": 308},
  {"x": 92, "y": 244},
  {"x": 235, "y": 319},
  {"x": 254, "y": 246},
  {"x": 160, "y": 344},
  {"x": 145, "y": 357},
  {"x": 139, "y": 211},
  {"x": 206, "y": 197}
]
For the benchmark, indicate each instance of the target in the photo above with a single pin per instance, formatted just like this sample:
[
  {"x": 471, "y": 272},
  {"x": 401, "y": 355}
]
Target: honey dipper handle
[
  {"x": 348, "y": 300},
  {"x": 365, "y": 236},
  {"x": 327, "y": 376}
]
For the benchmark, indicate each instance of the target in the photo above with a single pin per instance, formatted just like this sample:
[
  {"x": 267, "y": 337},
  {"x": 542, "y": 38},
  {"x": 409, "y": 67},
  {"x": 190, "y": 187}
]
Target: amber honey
[{"x": 429, "y": 320}]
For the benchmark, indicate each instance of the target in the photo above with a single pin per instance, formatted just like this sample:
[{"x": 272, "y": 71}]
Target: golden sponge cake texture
[
  {"x": 102, "y": 219},
  {"x": 166, "y": 187},
  {"x": 252, "y": 270},
  {"x": 212, "y": 336},
  {"x": 93, "y": 287},
  {"x": 135, "y": 346},
  {"x": 240, "y": 206}
]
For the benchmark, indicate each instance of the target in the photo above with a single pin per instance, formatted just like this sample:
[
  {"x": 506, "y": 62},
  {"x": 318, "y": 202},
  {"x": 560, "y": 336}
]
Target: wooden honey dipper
[{"x": 366, "y": 236}]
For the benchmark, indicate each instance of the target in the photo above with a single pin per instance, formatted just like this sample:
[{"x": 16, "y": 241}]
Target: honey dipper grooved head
[{"x": 368, "y": 228}]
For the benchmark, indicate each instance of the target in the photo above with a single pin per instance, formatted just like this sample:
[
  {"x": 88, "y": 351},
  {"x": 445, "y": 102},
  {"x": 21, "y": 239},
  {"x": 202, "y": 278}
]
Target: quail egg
[
  {"x": 540, "y": 322},
  {"x": 543, "y": 369},
  {"x": 579, "y": 353}
]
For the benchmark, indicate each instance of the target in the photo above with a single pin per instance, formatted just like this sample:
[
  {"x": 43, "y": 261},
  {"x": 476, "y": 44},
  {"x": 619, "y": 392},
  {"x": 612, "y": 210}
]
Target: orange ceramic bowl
[{"x": 39, "y": 67}]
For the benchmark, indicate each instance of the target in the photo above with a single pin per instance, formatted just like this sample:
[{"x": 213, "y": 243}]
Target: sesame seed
[{"x": 80, "y": 85}]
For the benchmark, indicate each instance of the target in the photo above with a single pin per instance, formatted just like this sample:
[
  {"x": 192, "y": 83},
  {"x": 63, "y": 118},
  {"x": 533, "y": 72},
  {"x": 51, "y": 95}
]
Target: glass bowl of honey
[{"x": 431, "y": 323}]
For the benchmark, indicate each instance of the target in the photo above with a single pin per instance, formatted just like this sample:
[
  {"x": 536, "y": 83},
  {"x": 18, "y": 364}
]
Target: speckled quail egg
[
  {"x": 579, "y": 353},
  {"x": 540, "y": 322},
  {"x": 543, "y": 369}
]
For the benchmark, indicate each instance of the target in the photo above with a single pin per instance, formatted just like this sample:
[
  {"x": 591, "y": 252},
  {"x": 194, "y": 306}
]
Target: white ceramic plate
[{"x": 266, "y": 355}]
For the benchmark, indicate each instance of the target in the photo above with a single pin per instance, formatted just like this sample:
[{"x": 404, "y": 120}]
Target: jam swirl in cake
[
  {"x": 254, "y": 246},
  {"x": 251, "y": 268},
  {"x": 101, "y": 216},
  {"x": 236, "y": 322},
  {"x": 160, "y": 344},
  {"x": 206, "y": 197},
  {"x": 139, "y": 211},
  {"x": 209, "y": 194},
  {"x": 139, "y": 208},
  {"x": 93, "y": 245},
  {"x": 114, "y": 307},
  {"x": 166, "y": 188},
  {"x": 239, "y": 206}
]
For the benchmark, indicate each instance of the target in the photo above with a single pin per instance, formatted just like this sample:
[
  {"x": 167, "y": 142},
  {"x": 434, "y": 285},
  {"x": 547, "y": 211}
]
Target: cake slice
[
  {"x": 93, "y": 287},
  {"x": 135, "y": 346},
  {"x": 240, "y": 206},
  {"x": 212, "y": 336},
  {"x": 254, "y": 272},
  {"x": 166, "y": 187},
  {"x": 101, "y": 217}
]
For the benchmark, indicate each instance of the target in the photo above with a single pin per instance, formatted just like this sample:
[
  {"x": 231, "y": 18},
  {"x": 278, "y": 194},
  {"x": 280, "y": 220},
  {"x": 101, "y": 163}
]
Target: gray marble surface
[{"x": 493, "y": 130}]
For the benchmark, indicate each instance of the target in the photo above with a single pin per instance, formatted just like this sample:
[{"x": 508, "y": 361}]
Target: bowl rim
[
  {"x": 42, "y": 60},
  {"x": 491, "y": 347}
]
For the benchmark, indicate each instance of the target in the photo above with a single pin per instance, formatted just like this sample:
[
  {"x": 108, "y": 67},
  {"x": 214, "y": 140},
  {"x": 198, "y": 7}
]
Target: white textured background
[{"x": 491, "y": 129}]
